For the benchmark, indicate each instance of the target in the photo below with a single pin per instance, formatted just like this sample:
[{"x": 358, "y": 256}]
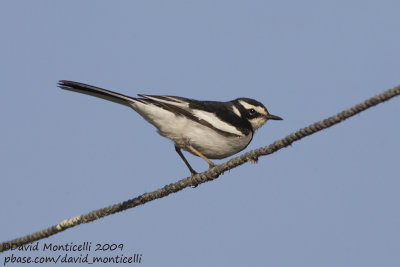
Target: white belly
[
  {"x": 185, "y": 132},
  {"x": 208, "y": 142}
]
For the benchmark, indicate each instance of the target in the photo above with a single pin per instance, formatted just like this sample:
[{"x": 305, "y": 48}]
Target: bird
[{"x": 207, "y": 129}]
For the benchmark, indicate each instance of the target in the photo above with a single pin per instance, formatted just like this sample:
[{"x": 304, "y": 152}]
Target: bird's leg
[
  {"x": 178, "y": 150},
  {"x": 196, "y": 152}
]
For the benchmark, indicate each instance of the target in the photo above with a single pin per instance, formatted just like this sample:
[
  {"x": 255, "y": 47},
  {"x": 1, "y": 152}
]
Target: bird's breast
[
  {"x": 210, "y": 143},
  {"x": 220, "y": 147},
  {"x": 184, "y": 131}
]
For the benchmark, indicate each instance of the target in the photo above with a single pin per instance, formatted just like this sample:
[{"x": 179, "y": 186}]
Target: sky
[{"x": 331, "y": 199}]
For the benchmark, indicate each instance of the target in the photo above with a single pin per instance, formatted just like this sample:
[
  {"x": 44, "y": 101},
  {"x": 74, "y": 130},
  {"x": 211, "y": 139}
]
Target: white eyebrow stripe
[
  {"x": 216, "y": 122},
  {"x": 246, "y": 105},
  {"x": 259, "y": 109},
  {"x": 236, "y": 111}
]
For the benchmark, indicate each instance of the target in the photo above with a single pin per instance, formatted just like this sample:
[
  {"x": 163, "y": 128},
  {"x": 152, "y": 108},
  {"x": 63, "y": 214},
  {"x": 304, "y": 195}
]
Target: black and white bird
[{"x": 208, "y": 129}]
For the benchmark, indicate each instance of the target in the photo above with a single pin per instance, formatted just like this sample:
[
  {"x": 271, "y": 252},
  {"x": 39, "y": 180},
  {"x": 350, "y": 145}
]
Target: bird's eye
[{"x": 252, "y": 111}]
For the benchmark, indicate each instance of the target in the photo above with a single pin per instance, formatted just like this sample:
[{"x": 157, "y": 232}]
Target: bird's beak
[{"x": 273, "y": 117}]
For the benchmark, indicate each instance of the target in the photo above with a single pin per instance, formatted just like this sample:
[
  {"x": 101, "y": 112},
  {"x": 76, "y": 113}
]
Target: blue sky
[{"x": 328, "y": 200}]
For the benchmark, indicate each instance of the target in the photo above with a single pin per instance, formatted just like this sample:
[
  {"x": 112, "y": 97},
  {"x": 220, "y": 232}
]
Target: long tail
[{"x": 96, "y": 91}]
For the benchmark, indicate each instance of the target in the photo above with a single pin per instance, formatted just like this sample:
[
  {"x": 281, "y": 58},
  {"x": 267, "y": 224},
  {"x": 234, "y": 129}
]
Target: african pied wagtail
[{"x": 208, "y": 129}]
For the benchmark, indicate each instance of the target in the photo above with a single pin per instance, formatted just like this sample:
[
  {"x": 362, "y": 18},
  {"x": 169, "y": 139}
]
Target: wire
[{"x": 206, "y": 176}]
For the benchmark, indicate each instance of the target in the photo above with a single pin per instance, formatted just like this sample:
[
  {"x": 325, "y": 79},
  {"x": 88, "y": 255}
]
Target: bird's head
[{"x": 253, "y": 111}]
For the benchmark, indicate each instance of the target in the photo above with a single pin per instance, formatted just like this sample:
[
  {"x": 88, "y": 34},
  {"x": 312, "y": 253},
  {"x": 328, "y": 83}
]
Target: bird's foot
[
  {"x": 193, "y": 173},
  {"x": 211, "y": 165}
]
